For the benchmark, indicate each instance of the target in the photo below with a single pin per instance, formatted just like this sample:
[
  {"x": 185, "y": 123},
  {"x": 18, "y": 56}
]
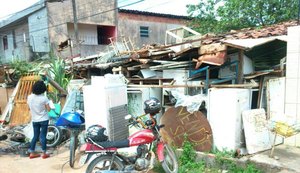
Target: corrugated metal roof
[
  {"x": 21, "y": 14},
  {"x": 154, "y": 14},
  {"x": 247, "y": 44}
]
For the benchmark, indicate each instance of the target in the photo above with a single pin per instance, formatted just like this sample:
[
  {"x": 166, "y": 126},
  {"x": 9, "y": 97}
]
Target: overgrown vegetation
[
  {"x": 224, "y": 162},
  {"x": 217, "y": 16},
  {"x": 57, "y": 71},
  {"x": 187, "y": 160},
  {"x": 22, "y": 67},
  {"x": 55, "y": 67}
]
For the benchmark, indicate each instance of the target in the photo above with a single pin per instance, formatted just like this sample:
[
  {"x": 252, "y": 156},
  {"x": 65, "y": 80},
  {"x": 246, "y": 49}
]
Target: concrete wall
[
  {"x": 101, "y": 12},
  {"x": 87, "y": 33},
  {"x": 129, "y": 24},
  {"x": 292, "y": 93},
  {"x": 20, "y": 49},
  {"x": 38, "y": 31}
]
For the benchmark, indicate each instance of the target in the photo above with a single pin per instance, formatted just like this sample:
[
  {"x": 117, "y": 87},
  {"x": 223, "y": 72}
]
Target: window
[
  {"x": 144, "y": 31},
  {"x": 14, "y": 39},
  {"x": 105, "y": 33},
  {"x": 5, "y": 44}
]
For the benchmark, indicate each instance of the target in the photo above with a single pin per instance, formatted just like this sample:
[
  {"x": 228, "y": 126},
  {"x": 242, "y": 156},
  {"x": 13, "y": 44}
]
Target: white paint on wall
[
  {"x": 87, "y": 33},
  {"x": 292, "y": 96}
]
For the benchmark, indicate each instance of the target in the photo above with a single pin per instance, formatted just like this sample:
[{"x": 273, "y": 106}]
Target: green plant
[
  {"x": 21, "y": 67},
  {"x": 57, "y": 71},
  {"x": 187, "y": 159},
  {"x": 224, "y": 161}
]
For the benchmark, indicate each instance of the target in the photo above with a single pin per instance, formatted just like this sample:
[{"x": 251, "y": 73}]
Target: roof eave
[{"x": 21, "y": 14}]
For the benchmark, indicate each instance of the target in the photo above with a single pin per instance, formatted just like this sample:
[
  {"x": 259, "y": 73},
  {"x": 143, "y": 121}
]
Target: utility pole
[{"x": 75, "y": 22}]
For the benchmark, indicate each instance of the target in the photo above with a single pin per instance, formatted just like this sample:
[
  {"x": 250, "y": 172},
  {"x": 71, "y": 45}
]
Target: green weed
[{"x": 224, "y": 162}]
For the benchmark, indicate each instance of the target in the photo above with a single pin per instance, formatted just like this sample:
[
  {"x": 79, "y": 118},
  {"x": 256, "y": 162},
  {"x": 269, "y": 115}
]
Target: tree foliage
[{"x": 223, "y": 15}]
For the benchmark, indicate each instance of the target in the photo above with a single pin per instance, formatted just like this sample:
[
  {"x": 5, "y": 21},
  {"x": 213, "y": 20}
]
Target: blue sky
[{"x": 176, "y": 7}]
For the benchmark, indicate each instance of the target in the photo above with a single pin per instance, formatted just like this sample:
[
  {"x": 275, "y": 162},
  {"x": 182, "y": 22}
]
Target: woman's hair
[{"x": 39, "y": 87}]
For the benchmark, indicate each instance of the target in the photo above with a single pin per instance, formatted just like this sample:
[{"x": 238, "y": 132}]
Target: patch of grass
[
  {"x": 187, "y": 160},
  {"x": 224, "y": 162}
]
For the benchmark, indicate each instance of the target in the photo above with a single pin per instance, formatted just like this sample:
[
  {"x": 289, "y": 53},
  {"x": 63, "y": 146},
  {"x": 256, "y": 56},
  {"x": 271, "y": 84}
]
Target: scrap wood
[
  {"x": 164, "y": 86},
  {"x": 57, "y": 86},
  {"x": 170, "y": 64},
  {"x": 20, "y": 112},
  {"x": 252, "y": 84},
  {"x": 7, "y": 110},
  {"x": 212, "y": 48},
  {"x": 213, "y": 59},
  {"x": 153, "y": 53}
]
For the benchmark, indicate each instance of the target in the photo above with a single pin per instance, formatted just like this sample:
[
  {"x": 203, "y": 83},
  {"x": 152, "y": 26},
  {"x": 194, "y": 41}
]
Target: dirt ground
[{"x": 57, "y": 163}]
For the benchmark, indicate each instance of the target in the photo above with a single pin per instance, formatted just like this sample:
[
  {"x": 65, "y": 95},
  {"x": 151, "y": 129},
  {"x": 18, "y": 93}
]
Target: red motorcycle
[{"x": 146, "y": 139}]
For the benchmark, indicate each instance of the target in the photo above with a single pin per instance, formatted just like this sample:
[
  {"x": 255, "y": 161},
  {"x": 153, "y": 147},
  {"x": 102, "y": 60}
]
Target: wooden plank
[
  {"x": 165, "y": 86},
  {"x": 20, "y": 115},
  {"x": 7, "y": 110},
  {"x": 20, "y": 112},
  {"x": 248, "y": 85},
  {"x": 260, "y": 90},
  {"x": 241, "y": 65},
  {"x": 169, "y": 65}
]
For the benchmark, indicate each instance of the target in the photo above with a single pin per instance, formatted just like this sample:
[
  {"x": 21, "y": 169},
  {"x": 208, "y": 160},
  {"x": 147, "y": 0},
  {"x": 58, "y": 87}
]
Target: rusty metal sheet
[
  {"x": 211, "y": 48},
  {"x": 213, "y": 59},
  {"x": 178, "y": 122},
  {"x": 20, "y": 113}
]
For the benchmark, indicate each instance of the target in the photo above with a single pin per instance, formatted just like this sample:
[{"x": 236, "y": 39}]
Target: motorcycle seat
[{"x": 114, "y": 144}]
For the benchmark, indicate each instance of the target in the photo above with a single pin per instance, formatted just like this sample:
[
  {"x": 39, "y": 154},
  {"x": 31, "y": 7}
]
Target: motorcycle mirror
[{"x": 127, "y": 117}]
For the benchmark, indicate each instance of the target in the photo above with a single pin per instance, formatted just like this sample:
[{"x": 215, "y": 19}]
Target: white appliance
[
  {"x": 105, "y": 103},
  {"x": 137, "y": 96},
  {"x": 225, "y": 107}
]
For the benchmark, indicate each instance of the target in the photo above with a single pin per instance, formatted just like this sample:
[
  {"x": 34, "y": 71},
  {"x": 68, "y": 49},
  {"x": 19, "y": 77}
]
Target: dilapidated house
[{"x": 49, "y": 25}]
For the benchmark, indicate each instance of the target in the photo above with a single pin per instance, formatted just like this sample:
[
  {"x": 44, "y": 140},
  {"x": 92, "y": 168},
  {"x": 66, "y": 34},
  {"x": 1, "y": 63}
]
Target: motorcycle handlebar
[{"x": 137, "y": 120}]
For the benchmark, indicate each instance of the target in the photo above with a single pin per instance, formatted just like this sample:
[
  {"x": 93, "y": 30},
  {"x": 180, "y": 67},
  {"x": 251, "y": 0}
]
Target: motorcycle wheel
[
  {"x": 54, "y": 136},
  {"x": 170, "y": 163},
  {"x": 103, "y": 163},
  {"x": 73, "y": 146}
]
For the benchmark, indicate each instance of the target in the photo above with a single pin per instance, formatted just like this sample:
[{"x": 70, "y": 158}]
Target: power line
[
  {"x": 83, "y": 17},
  {"x": 34, "y": 5},
  {"x": 159, "y": 4},
  {"x": 52, "y": 5}
]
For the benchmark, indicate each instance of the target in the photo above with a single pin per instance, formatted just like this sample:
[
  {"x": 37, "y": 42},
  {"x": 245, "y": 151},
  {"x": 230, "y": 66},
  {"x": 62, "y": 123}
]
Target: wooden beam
[
  {"x": 260, "y": 90},
  {"x": 241, "y": 65},
  {"x": 235, "y": 86},
  {"x": 165, "y": 86}
]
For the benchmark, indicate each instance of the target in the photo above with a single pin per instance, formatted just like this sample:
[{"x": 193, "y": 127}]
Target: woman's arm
[{"x": 47, "y": 107}]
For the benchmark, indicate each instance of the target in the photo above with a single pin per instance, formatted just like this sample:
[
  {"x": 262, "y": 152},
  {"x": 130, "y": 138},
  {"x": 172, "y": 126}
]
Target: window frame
[
  {"x": 5, "y": 42},
  {"x": 144, "y": 31}
]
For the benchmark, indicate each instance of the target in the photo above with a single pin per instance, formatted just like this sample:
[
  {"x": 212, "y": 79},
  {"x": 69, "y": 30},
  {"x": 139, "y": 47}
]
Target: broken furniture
[{"x": 283, "y": 129}]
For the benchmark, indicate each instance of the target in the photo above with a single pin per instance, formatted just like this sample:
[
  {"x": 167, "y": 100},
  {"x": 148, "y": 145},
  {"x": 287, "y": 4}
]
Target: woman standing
[{"x": 39, "y": 106}]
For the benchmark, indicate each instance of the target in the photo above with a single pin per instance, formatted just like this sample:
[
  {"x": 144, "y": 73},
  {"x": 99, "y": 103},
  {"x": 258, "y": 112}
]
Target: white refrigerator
[
  {"x": 224, "y": 113},
  {"x": 105, "y": 103}
]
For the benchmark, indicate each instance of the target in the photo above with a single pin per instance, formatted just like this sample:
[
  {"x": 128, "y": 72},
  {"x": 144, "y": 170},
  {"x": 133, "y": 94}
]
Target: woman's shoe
[
  {"x": 33, "y": 155},
  {"x": 45, "y": 156}
]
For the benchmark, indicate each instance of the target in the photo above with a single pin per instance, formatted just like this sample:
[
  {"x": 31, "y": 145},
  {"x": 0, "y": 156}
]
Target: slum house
[
  {"x": 23, "y": 38},
  {"x": 49, "y": 25},
  {"x": 210, "y": 56},
  {"x": 239, "y": 60}
]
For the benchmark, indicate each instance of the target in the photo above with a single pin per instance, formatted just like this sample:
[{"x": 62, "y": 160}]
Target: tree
[{"x": 223, "y": 15}]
